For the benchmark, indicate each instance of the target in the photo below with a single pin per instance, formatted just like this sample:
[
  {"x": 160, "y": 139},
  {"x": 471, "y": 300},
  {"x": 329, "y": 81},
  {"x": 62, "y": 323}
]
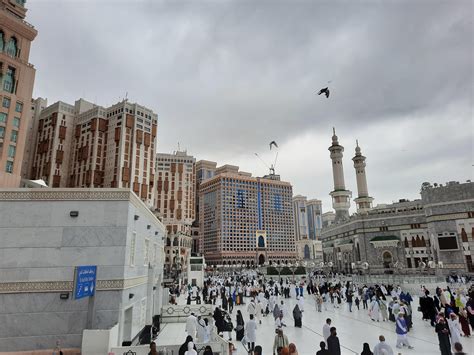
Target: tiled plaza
[{"x": 353, "y": 330}]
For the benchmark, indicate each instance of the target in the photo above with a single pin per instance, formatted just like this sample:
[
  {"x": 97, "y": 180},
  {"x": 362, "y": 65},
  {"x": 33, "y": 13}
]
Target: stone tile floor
[{"x": 353, "y": 330}]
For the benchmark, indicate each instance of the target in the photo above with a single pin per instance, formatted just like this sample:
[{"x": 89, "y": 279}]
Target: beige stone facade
[
  {"x": 53, "y": 144},
  {"x": 174, "y": 204},
  {"x": 236, "y": 210},
  {"x": 86, "y": 145},
  {"x": 17, "y": 79}
]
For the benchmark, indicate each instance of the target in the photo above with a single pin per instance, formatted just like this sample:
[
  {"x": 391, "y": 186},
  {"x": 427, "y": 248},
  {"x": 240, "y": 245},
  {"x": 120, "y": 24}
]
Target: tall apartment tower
[
  {"x": 88, "y": 157},
  {"x": 363, "y": 200},
  {"x": 245, "y": 219},
  {"x": 204, "y": 170},
  {"x": 174, "y": 203},
  {"x": 37, "y": 106},
  {"x": 340, "y": 196},
  {"x": 85, "y": 145},
  {"x": 16, "y": 84},
  {"x": 131, "y": 149},
  {"x": 301, "y": 217},
  {"x": 315, "y": 219},
  {"x": 53, "y": 141}
]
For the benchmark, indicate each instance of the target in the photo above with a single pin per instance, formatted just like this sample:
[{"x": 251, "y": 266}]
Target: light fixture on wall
[
  {"x": 156, "y": 233},
  {"x": 131, "y": 295},
  {"x": 148, "y": 226},
  {"x": 64, "y": 295},
  {"x": 74, "y": 213},
  {"x": 137, "y": 217}
]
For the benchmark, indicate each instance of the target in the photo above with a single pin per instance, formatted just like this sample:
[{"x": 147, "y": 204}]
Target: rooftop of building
[
  {"x": 451, "y": 191},
  {"x": 177, "y": 154}
]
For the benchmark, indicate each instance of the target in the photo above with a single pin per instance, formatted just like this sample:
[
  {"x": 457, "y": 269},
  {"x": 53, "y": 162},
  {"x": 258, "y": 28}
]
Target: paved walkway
[{"x": 353, "y": 330}]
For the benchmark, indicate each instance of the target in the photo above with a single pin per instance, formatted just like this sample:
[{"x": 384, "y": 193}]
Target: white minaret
[
  {"x": 363, "y": 201},
  {"x": 340, "y": 196}
]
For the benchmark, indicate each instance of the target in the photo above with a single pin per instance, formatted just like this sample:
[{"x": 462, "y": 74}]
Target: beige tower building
[
  {"x": 363, "y": 200},
  {"x": 340, "y": 196},
  {"x": 88, "y": 160},
  {"x": 86, "y": 145},
  {"x": 174, "y": 203},
  {"x": 205, "y": 169},
  {"x": 53, "y": 141},
  {"x": 16, "y": 83},
  {"x": 131, "y": 149},
  {"x": 37, "y": 106}
]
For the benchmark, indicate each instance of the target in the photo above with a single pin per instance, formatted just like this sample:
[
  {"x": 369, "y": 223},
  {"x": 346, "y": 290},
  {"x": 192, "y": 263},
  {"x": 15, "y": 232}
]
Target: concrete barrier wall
[
  {"x": 99, "y": 341},
  {"x": 68, "y": 351},
  {"x": 217, "y": 348},
  {"x": 178, "y": 313}
]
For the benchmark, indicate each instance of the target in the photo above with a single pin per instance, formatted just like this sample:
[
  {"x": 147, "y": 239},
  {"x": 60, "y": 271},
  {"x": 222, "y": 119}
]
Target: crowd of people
[{"x": 450, "y": 312}]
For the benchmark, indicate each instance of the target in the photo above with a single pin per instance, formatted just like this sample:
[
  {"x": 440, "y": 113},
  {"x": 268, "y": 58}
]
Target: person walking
[
  {"x": 297, "y": 316},
  {"x": 239, "y": 328},
  {"x": 383, "y": 310},
  {"x": 327, "y": 329},
  {"x": 323, "y": 350},
  {"x": 251, "y": 308},
  {"x": 442, "y": 329},
  {"x": 292, "y": 349},
  {"x": 191, "y": 325},
  {"x": 251, "y": 333},
  {"x": 333, "y": 343},
  {"x": 402, "y": 330},
  {"x": 374, "y": 310},
  {"x": 349, "y": 300},
  {"x": 258, "y": 312},
  {"x": 280, "y": 341},
  {"x": 202, "y": 331},
  {"x": 382, "y": 348},
  {"x": 454, "y": 329},
  {"x": 366, "y": 350},
  {"x": 230, "y": 302}
]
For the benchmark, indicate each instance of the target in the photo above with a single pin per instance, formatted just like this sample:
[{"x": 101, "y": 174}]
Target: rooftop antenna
[
  {"x": 178, "y": 146},
  {"x": 126, "y": 96}
]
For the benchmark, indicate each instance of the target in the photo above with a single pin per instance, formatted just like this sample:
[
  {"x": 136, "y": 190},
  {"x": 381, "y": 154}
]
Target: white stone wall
[{"x": 40, "y": 247}]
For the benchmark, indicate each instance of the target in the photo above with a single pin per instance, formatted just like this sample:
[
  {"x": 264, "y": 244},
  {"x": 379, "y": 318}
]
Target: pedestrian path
[{"x": 353, "y": 329}]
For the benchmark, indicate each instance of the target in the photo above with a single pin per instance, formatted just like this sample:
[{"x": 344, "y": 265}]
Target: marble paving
[{"x": 353, "y": 330}]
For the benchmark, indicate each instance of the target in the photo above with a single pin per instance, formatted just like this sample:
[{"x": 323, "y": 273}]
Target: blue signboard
[{"x": 85, "y": 281}]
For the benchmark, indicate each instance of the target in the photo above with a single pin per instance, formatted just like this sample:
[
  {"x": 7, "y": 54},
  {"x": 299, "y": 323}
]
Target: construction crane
[{"x": 270, "y": 167}]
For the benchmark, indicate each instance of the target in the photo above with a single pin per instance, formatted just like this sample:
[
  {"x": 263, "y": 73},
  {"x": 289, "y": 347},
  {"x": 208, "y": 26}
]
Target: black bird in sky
[
  {"x": 324, "y": 91},
  {"x": 273, "y": 143}
]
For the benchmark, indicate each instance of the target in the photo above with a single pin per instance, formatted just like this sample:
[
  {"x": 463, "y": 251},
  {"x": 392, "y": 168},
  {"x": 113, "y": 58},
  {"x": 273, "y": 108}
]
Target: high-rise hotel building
[
  {"x": 174, "y": 204},
  {"x": 308, "y": 226},
  {"x": 86, "y": 145},
  {"x": 246, "y": 219},
  {"x": 16, "y": 84}
]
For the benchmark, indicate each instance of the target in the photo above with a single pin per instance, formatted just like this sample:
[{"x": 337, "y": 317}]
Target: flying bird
[
  {"x": 324, "y": 91},
  {"x": 273, "y": 143}
]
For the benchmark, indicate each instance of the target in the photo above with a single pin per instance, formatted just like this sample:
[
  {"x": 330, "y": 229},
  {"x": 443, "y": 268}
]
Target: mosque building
[{"x": 427, "y": 234}]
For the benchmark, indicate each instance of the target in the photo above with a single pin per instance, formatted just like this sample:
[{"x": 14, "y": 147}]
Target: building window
[
  {"x": 8, "y": 82},
  {"x": 14, "y": 136},
  {"x": 9, "y": 167},
  {"x": 11, "y": 151},
  {"x": 2, "y": 132},
  {"x": 6, "y": 102},
  {"x": 11, "y": 47},
  {"x": 20, "y": 2},
  {"x": 2, "y": 41},
  {"x": 132, "y": 249},
  {"x": 3, "y": 117},
  {"x": 19, "y": 107},
  {"x": 16, "y": 122}
]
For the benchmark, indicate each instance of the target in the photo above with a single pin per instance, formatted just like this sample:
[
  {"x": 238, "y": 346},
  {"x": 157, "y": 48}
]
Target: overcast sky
[{"x": 227, "y": 77}]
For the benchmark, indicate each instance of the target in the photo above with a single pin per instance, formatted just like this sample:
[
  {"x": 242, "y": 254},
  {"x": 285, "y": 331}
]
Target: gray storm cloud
[{"x": 227, "y": 77}]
